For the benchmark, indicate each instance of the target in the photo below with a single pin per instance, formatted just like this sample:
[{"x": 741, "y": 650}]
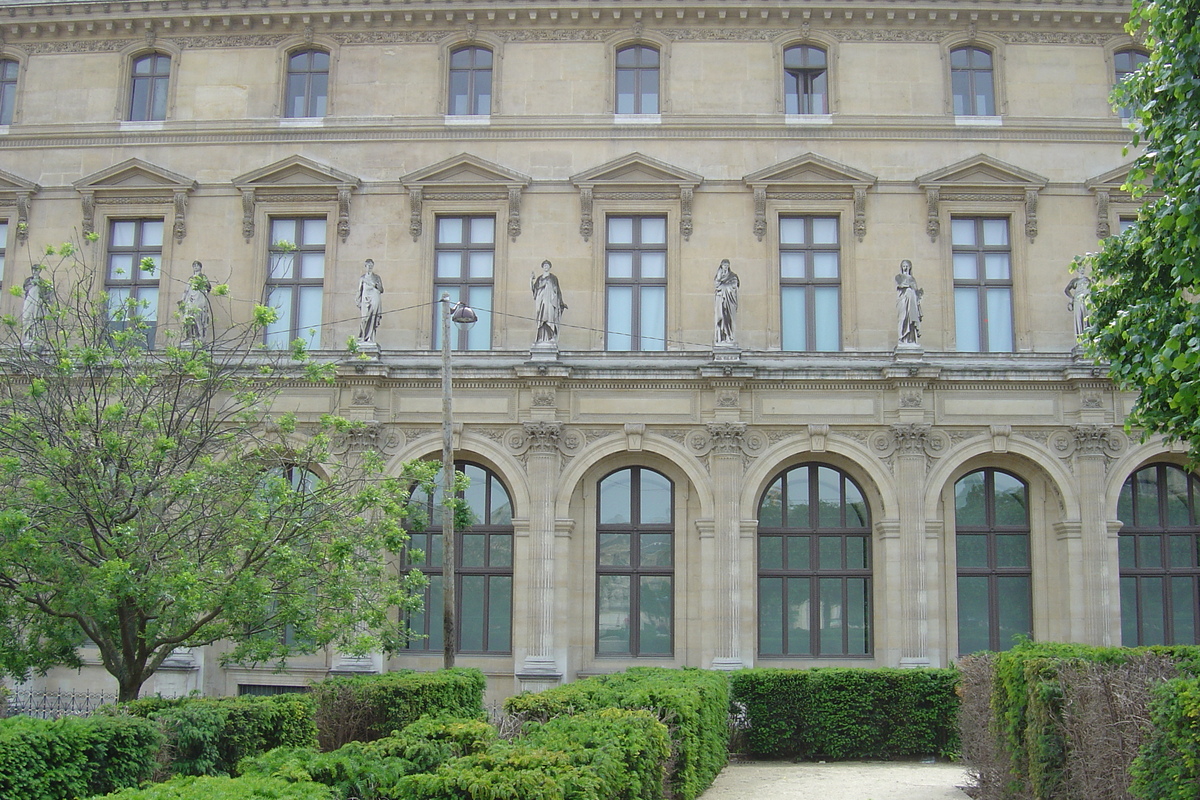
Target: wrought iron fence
[{"x": 50, "y": 704}]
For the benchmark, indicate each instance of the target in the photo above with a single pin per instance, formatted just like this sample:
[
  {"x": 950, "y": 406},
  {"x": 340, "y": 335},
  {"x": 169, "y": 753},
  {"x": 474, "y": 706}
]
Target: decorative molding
[
  {"x": 1031, "y": 205},
  {"x": 1088, "y": 441},
  {"x": 296, "y": 179},
  {"x": 343, "y": 224},
  {"x": 1000, "y": 434},
  {"x": 1103, "y": 226},
  {"x": 727, "y": 438},
  {"x": 634, "y": 432},
  {"x": 543, "y": 437},
  {"x": 810, "y": 177},
  {"x": 247, "y": 214},
  {"x": 981, "y": 179},
  {"x": 585, "y": 212},
  {"x": 465, "y": 177},
  {"x": 760, "y": 212},
  {"x": 933, "y": 221},
  {"x": 911, "y": 398},
  {"x": 894, "y": 35},
  {"x": 544, "y": 398},
  {"x": 16, "y": 191},
  {"x": 817, "y": 436},
  {"x": 368, "y": 435},
  {"x": 135, "y": 182},
  {"x": 636, "y": 177},
  {"x": 414, "y": 212}
]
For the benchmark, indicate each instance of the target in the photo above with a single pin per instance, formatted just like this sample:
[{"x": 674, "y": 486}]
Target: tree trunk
[{"x": 129, "y": 687}]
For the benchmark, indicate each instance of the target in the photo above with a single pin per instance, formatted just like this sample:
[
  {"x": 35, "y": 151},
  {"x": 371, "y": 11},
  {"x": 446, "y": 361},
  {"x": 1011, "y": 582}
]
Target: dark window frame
[
  {"x": 479, "y": 79},
  {"x": 635, "y": 528},
  {"x": 424, "y": 540},
  {"x": 297, "y": 281},
  {"x": 809, "y": 284},
  {"x": 315, "y": 104},
  {"x": 1136, "y": 543},
  {"x": 805, "y": 81},
  {"x": 641, "y": 74},
  {"x": 993, "y": 572},
  {"x": 10, "y": 73},
  {"x": 146, "y": 91},
  {"x": 1125, "y": 62},
  {"x": 813, "y": 529},
  {"x": 637, "y": 281},
  {"x": 973, "y": 73},
  {"x": 464, "y": 284},
  {"x": 135, "y": 282},
  {"x": 983, "y": 284}
]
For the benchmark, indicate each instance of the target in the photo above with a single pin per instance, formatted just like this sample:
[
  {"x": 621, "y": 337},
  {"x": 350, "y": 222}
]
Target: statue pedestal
[
  {"x": 908, "y": 351},
  {"x": 726, "y": 352},
  {"x": 368, "y": 349},
  {"x": 544, "y": 351}
]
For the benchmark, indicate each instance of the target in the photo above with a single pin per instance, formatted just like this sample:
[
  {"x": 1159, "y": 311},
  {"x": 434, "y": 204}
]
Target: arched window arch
[
  {"x": 814, "y": 565},
  {"x": 637, "y": 79},
  {"x": 306, "y": 90},
  {"x": 992, "y": 543},
  {"x": 483, "y": 574},
  {"x": 10, "y": 70},
  {"x": 971, "y": 82},
  {"x": 1125, "y": 62},
  {"x": 1159, "y": 565},
  {"x": 806, "y": 80},
  {"x": 635, "y": 564},
  {"x": 470, "y": 81},
  {"x": 150, "y": 80}
]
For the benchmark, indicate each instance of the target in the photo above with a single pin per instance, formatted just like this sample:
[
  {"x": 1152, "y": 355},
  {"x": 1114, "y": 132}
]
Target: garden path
[{"x": 842, "y": 780}]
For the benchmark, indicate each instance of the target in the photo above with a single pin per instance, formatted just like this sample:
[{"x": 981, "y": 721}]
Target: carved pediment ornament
[
  {"x": 465, "y": 177},
  {"x": 981, "y": 179},
  {"x": 296, "y": 180},
  {"x": 369, "y": 435},
  {"x": 636, "y": 177},
  {"x": 909, "y": 439},
  {"x": 1088, "y": 440},
  {"x": 810, "y": 176},
  {"x": 16, "y": 191},
  {"x": 136, "y": 182}
]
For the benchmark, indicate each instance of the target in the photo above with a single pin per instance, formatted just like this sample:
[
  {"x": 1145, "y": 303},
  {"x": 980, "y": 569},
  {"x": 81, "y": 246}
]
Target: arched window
[
  {"x": 470, "y": 82},
  {"x": 971, "y": 82},
  {"x": 635, "y": 564},
  {"x": 148, "y": 87},
  {"x": 307, "y": 90},
  {"x": 1159, "y": 568},
  {"x": 8, "y": 89},
  {"x": 995, "y": 600},
  {"x": 483, "y": 573},
  {"x": 1125, "y": 63},
  {"x": 637, "y": 80},
  {"x": 814, "y": 565},
  {"x": 805, "y": 80}
]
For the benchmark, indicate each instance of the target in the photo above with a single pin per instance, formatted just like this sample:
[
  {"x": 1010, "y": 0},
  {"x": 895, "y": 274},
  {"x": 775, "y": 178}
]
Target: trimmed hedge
[
  {"x": 1169, "y": 765},
  {"x": 693, "y": 703},
  {"x": 841, "y": 713},
  {"x": 74, "y": 757},
  {"x": 368, "y": 707},
  {"x": 225, "y": 788},
  {"x": 610, "y": 754},
  {"x": 209, "y": 736}
]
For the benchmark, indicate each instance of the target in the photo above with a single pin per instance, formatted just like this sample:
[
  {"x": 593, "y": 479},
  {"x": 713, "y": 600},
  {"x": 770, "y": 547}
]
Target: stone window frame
[
  {"x": 642, "y": 39},
  {"x": 980, "y": 41},
  {"x": 832, "y": 49},
  {"x": 638, "y": 282},
  {"x": 283, "y": 53},
  {"x": 460, "y": 335},
  {"x": 135, "y": 282},
  {"x": 21, "y": 58},
  {"x": 981, "y": 283},
  {"x": 450, "y": 45},
  {"x": 124, "y": 108},
  {"x": 299, "y": 212},
  {"x": 1118, "y": 45}
]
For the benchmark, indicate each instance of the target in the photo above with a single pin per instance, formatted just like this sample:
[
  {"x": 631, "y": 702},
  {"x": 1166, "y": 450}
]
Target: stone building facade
[{"x": 811, "y": 490}]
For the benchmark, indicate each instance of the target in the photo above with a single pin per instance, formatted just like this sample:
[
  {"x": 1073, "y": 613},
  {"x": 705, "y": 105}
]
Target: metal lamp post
[{"x": 462, "y": 315}]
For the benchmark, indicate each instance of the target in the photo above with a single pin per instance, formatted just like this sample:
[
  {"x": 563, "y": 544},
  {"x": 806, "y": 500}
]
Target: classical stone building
[{"x": 806, "y": 489}]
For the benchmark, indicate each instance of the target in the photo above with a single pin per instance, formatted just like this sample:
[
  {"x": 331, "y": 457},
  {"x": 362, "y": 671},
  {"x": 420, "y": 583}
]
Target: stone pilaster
[
  {"x": 540, "y": 668},
  {"x": 725, "y": 463},
  {"x": 911, "y": 440},
  {"x": 1092, "y": 446}
]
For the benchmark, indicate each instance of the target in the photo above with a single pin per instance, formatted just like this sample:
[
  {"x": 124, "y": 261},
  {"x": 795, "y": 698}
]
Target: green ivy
[{"x": 1168, "y": 767}]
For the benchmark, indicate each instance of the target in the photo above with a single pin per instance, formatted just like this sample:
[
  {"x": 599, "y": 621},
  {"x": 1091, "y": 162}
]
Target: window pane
[
  {"x": 1149, "y": 555},
  {"x": 829, "y": 549},
  {"x": 616, "y": 499},
  {"x": 984, "y": 100},
  {"x": 969, "y": 501},
  {"x": 1010, "y": 500},
  {"x": 1000, "y": 330},
  {"x": 473, "y": 590},
  {"x": 612, "y": 614},
  {"x": 433, "y": 611},
  {"x": 480, "y": 263},
  {"x": 654, "y": 230},
  {"x": 972, "y": 550},
  {"x": 995, "y": 232},
  {"x": 825, "y": 265},
  {"x": 966, "y": 267},
  {"x": 620, "y": 318},
  {"x": 479, "y": 336},
  {"x": 1125, "y": 545},
  {"x": 962, "y": 232},
  {"x": 824, "y": 230},
  {"x": 829, "y": 498},
  {"x": 1150, "y": 598},
  {"x": 966, "y": 320},
  {"x": 656, "y": 550},
  {"x": 799, "y": 630},
  {"x": 1012, "y": 550},
  {"x": 856, "y": 552},
  {"x": 1146, "y": 485},
  {"x": 795, "y": 333},
  {"x": 799, "y": 552},
  {"x": 1181, "y": 552},
  {"x": 655, "y": 498},
  {"x": 826, "y": 318},
  {"x": 1183, "y": 611},
  {"x": 120, "y": 266},
  {"x": 1015, "y": 612},
  {"x": 792, "y": 265},
  {"x": 654, "y": 634},
  {"x": 996, "y": 266},
  {"x": 620, "y": 265},
  {"x": 620, "y": 230},
  {"x": 501, "y": 548},
  {"x": 960, "y": 83},
  {"x": 1125, "y": 503},
  {"x": 450, "y": 230},
  {"x": 626, "y": 80},
  {"x": 832, "y": 615},
  {"x": 474, "y": 550},
  {"x": 283, "y": 230},
  {"x": 791, "y": 230},
  {"x": 1177, "y": 498},
  {"x": 972, "y": 614},
  {"x": 500, "y": 613},
  {"x": 312, "y": 265},
  {"x": 653, "y": 318},
  {"x": 770, "y": 510},
  {"x": 797, "y": 493},
  {"x": 770, "y": 615},
  {"x": 1129, "y": 626},
  {"x": 770, "y": 552},
  {"x": 858, "y": 608}
]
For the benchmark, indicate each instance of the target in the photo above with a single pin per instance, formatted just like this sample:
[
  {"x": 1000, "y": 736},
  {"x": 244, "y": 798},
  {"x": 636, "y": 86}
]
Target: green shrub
[
  {"x": 693, "y": 703},
  {"x": 74, "y": 757},
  {"x": 363, "y": 708},
  {"x": 847, "y": 713},
  {"x": 1169, "y": 765},
  {"x": 225, "y": 788}
]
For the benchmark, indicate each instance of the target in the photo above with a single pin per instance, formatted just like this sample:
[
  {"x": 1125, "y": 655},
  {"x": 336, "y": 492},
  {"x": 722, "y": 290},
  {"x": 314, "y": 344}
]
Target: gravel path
[{"x": 843, "y": 780}]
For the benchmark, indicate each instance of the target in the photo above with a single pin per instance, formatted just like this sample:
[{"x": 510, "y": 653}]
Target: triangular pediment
[
  {"x": 637, "y": 170},
  {"x": 809, "y": 170},
  {"x": 295, "y": 172},
  {"x": 1112, "y": 180},
  {"x": 465, "y": 171},
  {"x": 12, "y": 184},
  {"x": 982, "y": 171},
  {"x": 134, "y": 175}
]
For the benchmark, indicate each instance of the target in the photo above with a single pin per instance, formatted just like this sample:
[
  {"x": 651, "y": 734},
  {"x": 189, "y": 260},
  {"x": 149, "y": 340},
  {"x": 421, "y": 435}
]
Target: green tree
[
  {"x": 1144, "y": 309},
  {"x": 152, "y": 498}
]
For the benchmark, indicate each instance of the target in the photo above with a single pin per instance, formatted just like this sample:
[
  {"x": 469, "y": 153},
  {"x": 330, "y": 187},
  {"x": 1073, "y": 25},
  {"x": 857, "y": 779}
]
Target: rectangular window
[
  {"x": 465, "y": 261},
  {"x": 131, "y": 281},
  {"x": 470, "y": 82},
  {"x": 810, "y": 283},
  {"x": 636, "y": 283},
  {"x": 983, "y": 310},
  {"x": 3, "y": 246},
  {"x": 306, "y": 93},
  {"x": 296, "y": 281},
  {"x": 806, "y": 80},
  {"x": 148, "y": 87},
  {"x": 637, "y": 80}
]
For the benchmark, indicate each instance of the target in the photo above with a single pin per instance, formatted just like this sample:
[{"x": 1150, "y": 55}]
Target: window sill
[
  {"x": 978, "y": 122},
  {"x": 637, "y": 119},
  {"x": 808, "y": 119},
  {"x": 302, "y": 122},
  {"x": 468, "y": 119},
  {"x": 149, "y": 125}
]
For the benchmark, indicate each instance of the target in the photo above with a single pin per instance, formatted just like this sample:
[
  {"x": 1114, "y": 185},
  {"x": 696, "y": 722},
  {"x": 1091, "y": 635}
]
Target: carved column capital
[
  {"x": 727, "y": 437},
  {"x": 543, "y": 436},
  {"x": 911, "y": 438}
]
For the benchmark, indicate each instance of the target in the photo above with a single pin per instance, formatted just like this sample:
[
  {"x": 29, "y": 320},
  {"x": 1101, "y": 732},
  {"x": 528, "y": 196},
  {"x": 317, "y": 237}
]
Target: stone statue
[
  {"x": 1079, "y": 292},
  {"x": 37, "y": 294},
  {"x": 547, "y": 304},
  {"x": 908, "y": 305},
  {"x": 725, "y": 304},
  {"x": 369, "y": 302},
  {"x": 195, "y": 310}
]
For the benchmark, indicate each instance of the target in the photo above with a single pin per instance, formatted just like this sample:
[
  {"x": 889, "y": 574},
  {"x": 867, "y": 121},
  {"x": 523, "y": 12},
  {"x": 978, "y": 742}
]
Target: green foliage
[
  {"x": 224, "y": 788},
  {"x": 209, "y": 736},
  {"x": 848, "y": 713},
  {"x": 74, "y": 757},
  {"x": 1168, "y": 767},
  {"x": 147, "y": 502},
  {"x": 693, "y": 703},
  {"x": 1027, "y": 700},
  {"x": 367, "y": 707},
  {"x": 1146, "y": 320}
]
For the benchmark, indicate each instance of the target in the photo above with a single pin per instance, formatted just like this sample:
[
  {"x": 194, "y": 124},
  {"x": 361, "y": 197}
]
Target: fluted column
[
  {"x": 1092, "y": 442},
  {"x": 914, "y": 606},
  {"x": 725, "y": 464},
  {"x": 542, "y": 464}
]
